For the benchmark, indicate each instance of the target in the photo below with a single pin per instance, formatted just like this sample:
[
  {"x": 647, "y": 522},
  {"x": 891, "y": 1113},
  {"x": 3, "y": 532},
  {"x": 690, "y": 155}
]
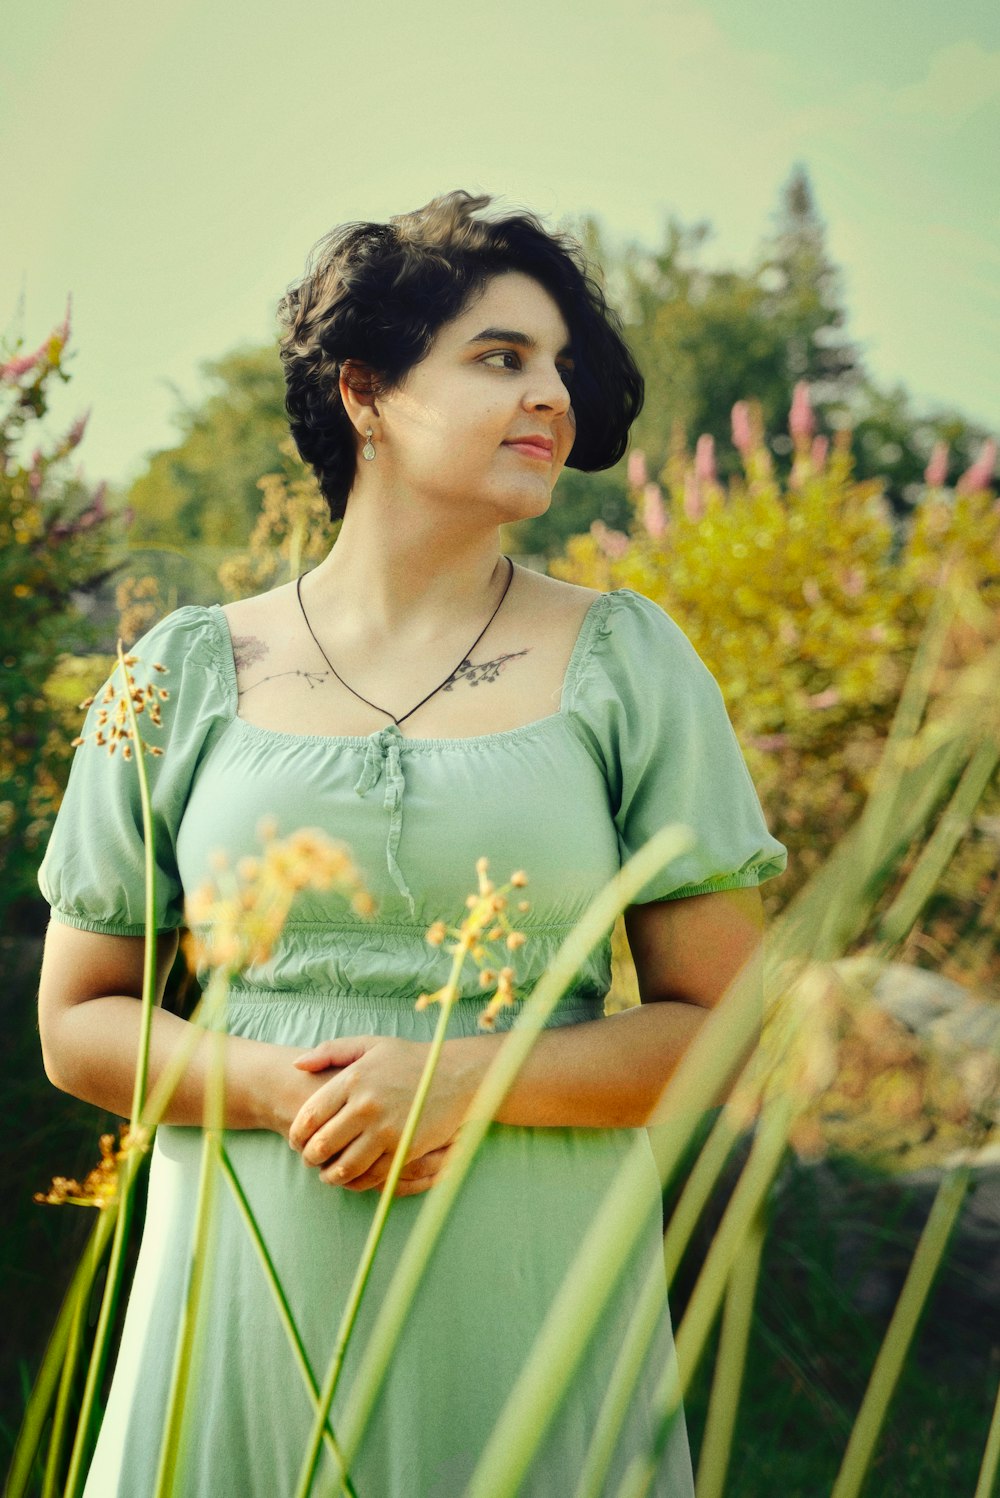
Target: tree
[
  {"x": 204, "y": 490},
  {"x": 803, "y": 296}
]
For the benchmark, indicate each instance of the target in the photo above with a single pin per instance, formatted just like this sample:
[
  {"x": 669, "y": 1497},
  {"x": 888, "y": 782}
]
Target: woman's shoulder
[
  {"x": 256, "y": 622},
  {"x": 187, "y": 631},
  {"x": 190, "y": 644},
  {"x": 639, "y": 661},
  {"x": 632, "y": 623},
  {"x": 551, "y": 601}
]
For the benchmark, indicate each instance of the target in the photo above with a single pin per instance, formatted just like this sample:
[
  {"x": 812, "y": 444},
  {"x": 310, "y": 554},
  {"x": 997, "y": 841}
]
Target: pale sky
[{"x": 171, "y": 165}]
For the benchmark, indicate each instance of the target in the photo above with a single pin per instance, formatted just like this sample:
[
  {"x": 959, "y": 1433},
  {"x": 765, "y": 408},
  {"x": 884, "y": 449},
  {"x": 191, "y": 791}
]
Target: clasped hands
[{"x": 350, "y": 1125}]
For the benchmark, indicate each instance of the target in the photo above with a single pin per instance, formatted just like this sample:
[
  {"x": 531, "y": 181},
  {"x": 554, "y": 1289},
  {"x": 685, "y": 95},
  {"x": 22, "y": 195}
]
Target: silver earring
[{"x": 368, "y": 450}]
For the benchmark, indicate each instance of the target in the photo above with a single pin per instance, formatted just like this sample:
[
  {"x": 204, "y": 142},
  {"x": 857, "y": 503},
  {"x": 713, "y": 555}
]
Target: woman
[{"x": 441, "y": 370}]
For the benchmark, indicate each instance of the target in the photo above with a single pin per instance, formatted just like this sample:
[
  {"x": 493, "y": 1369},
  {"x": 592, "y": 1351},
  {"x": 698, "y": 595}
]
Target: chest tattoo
[
  {"x": 482, "y": 671},
  {"x": 249, "y": 650}
]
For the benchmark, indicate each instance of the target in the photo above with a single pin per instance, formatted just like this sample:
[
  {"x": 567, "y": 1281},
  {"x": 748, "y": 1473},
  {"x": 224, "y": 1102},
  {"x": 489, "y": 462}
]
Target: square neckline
[{"x": 227, "y": 657}]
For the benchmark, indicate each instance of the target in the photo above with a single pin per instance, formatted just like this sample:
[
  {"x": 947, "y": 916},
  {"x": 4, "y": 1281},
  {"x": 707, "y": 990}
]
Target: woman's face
[{"x": 494, "y": 374}]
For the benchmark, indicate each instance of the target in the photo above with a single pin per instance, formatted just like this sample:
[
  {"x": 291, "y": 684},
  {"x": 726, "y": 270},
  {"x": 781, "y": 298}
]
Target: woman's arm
[
  {"x": 89, "y": 1021},
  {"x": 609, "y": 1073}
]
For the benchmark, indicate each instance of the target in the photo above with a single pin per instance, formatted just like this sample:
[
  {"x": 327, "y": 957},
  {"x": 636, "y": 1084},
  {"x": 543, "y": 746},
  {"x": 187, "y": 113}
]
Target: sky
[{"x": 170, "y": 166}]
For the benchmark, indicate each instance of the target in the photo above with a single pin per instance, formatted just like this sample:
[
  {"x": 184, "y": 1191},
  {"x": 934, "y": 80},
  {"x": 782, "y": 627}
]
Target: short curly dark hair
[{"x": 376, "y": 294}]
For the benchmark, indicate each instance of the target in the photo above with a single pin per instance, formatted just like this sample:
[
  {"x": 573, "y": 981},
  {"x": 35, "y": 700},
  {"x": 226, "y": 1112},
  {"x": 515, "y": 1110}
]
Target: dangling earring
[{"x": 368, "y": 451}]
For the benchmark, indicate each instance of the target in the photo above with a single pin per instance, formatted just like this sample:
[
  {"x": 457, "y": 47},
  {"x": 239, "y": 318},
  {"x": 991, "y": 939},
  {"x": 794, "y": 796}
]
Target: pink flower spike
[
  {"x": 936, "y": 472},
  {"x": 820, "y": 448},
  {"x": 801, "y": 423},
  {"x": 980, "y": 475},
  {"x": 16, "y": 367},
  {"x": 654, "y": 515},
  {"x": 62, "y": 332},
  {"x": 829, "y": 698},
  {"x": 704, "y": 458},
  {"x": 694, "y": 504},
  {"x": 76, "y": 431},
  {"x": 637, "y": 471},
  {"x": 742, "y": 435},
  {"x": 614, "y": 544}
]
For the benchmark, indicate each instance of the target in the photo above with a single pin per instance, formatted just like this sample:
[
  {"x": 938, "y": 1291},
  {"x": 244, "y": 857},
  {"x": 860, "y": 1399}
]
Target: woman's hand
[{"x": 350, "y": 1125}]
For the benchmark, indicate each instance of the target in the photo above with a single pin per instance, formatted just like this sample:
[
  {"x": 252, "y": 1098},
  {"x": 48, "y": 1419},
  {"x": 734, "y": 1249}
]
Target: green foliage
[
  {"x": 204, "y": 490},
  {"x": 708, "y": 338},
  {"x": 54, "y": 551}
]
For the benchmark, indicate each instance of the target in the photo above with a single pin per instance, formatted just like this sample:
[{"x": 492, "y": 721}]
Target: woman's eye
[
  {"x": 503, "y": 354},
  {"x": 565, "y": 372}
]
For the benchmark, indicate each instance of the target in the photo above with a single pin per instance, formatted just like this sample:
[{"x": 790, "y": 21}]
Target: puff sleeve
[
  {"x": 93, "y": 870},
  {"x": 671, "y": 755}
]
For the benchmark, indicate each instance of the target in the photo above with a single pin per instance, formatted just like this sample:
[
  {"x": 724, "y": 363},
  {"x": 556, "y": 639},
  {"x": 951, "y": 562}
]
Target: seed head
[
  {"x": 237, "y": 921},
  {"x": 118, "y": 699}
]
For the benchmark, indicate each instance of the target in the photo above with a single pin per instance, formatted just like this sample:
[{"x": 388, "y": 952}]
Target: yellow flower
[
  {"x": 237, "y": 922},
  {"x": 100, "y": 1186},
  {"x": 472, "y": 938}
]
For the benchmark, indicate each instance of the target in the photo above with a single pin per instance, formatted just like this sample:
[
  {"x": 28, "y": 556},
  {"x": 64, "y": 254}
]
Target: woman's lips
[{"x": 531, "y": 450}]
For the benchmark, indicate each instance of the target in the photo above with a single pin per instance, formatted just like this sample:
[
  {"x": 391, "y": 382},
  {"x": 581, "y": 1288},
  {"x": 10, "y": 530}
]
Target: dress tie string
[{"x": 382, "y": 761}]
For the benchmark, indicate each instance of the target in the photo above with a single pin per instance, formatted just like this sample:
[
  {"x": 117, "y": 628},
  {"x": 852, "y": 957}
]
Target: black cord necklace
[{"x": 397, "y": 721}]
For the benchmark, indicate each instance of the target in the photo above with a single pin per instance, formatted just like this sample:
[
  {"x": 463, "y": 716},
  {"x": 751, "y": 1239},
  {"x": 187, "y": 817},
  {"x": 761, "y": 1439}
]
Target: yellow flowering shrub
[
  {"x": 292, "y": 533},
  {"x": 807, "y": 602}
]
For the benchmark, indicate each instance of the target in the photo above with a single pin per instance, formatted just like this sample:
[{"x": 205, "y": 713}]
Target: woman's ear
[{"x": 359, "y": 390}]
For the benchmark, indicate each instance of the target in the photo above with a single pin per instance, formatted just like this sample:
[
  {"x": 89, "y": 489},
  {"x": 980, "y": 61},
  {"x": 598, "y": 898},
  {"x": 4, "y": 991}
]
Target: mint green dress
[{"x": 641, "y": 738}]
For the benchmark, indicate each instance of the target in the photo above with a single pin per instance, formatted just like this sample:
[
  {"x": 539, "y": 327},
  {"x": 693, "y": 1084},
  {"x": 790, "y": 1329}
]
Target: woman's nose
[{"x": 549, "y": 390}]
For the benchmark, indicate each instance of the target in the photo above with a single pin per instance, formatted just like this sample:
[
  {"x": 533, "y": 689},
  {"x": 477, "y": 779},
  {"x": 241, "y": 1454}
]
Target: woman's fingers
[
  {"x": 413, "y": 1188},
  {"x": 428, "y": 1164},
  {"x": 416, "y": 1175}
]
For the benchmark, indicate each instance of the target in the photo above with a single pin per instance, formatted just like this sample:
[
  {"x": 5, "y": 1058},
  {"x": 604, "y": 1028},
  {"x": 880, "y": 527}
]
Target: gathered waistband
[{"x": 352, "y": 999}]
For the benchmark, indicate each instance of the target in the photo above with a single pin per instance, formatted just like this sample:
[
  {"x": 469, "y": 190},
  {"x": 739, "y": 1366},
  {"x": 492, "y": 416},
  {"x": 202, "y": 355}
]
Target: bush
[{"x": 807, "y": 604}]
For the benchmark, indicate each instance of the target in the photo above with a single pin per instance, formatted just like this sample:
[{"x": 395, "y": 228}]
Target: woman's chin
[{"x": 527, "y": 504}]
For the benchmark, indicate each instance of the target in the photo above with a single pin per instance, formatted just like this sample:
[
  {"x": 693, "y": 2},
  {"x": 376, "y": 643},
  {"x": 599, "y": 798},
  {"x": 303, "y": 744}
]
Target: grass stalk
[
  {"x": 891, "y": 1355},
  {"x": 628, "y": 1366},
  {"x": 738, "y": 1220},
  {"x": 170, "y": 1449},
  {"x": 730, "y": 1362},
  {"x": 697, "y": 1192},
  {"x": 46, "y": 1384},
  {"x": 82, "y": 1444},
  {"x": 937, "y": 852},
  {"x": 53, "y": 1461},
  {"x": 624, "y": 1376},
  {"x": 668, "y": 843},
  {"x": 149, "y": 946},
  {"x": 129, "y": 1173},
  {"x": 374, "y": 1235},
  {"x": 280, "y": 1299},
  {"x": 986, "y": 1484}
]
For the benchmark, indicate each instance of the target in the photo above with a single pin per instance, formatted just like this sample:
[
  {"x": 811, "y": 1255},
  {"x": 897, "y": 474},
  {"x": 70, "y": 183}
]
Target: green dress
[{"x": 641, "y": 738}]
